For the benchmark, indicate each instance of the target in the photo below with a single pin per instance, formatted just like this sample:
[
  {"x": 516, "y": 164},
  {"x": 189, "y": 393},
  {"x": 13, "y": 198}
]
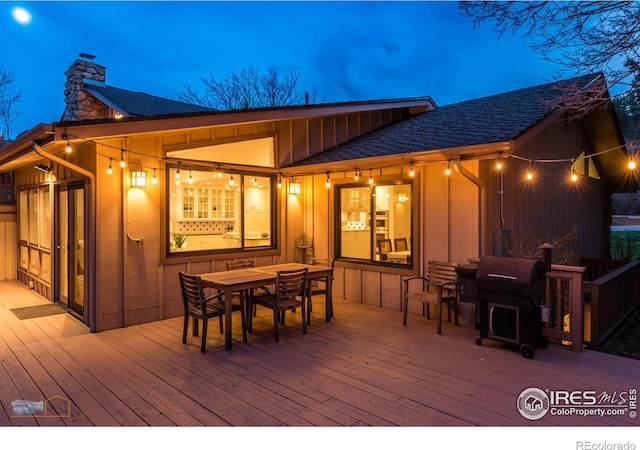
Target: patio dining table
[{"x": 237, "y": 280}]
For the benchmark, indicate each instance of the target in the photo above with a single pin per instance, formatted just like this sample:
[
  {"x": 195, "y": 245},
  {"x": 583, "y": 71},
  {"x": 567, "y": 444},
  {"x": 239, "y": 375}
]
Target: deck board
[{"x": 362, "y": 369}]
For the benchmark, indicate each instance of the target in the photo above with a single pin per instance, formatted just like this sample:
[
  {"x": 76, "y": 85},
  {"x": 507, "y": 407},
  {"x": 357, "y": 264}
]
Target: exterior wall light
[
  {"x": 294, "y": 188},
  {"x": 138, "y": 178}
]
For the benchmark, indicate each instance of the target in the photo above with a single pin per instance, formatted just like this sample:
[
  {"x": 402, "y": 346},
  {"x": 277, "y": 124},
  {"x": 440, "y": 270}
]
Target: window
[
  {"x": 585, "y": 166},
  {"x": 375, "y": 222},
  {"x": 6, "y": 189},
  {"x": 215, "y": 211},
  {"x": 34, "y": 232}
]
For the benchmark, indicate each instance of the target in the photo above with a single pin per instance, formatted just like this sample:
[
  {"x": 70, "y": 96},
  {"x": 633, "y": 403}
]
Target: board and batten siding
[{"x": 8, "y": 240}]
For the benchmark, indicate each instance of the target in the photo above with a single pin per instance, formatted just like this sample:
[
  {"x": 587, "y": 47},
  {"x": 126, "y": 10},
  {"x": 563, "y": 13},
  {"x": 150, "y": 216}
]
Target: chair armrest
[
  {"x": 267, "y": 290},
  {"x": 406, "y": 280}
]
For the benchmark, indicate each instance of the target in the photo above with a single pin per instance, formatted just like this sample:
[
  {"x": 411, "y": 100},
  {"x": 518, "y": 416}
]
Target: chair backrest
[
  {"x": 192, "y": 290},
  {"x": 442, "y": 272},
  {"x": 384, "y": 245},
  {"x": 240, "y": 264},
  {"x": 291, "y": 283},
  {"x": 401, "y": 244},
  {"x": 325, "y": 262}
]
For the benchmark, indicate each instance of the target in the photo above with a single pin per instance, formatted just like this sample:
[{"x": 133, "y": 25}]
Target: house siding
[{"x": 550, "y": 205}]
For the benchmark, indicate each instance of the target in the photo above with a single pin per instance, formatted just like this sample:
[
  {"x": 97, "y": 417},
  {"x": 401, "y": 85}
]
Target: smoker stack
[{"x": 510, "y": 293}]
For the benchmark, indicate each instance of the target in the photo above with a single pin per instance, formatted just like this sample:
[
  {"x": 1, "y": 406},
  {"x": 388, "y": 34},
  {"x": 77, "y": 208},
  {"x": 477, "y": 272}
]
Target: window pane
[
  {"x": 34, "y": 262},
  {"x": 382, "y": 218},
  {"x": 33, "y": 216},
  {"x": 45, "y": 218},
  {"x": 24, "y": 257},
  {"x": 23, "y": 212},
  {"x": 257, "y": 211},
  {"x": 204, "y": 211},
  {"x": 355, "y": 222}
]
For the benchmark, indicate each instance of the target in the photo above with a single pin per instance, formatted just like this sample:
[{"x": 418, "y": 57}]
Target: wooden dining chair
[
  {"x": 439, "y": 286},
  {"x": 400, "y": 244},
  {"x": 291, "y": 292},
  {"x": 318, "y": 286},
  {"x": 200, "y": 307},
  {"x": 248, "y": 263},
  {"x": 384, "y": 247}
]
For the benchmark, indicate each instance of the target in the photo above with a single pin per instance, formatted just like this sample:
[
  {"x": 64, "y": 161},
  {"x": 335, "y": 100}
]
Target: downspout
[
  {"x": 482, "y": 203},
  {"x": 91, "y": 238}
]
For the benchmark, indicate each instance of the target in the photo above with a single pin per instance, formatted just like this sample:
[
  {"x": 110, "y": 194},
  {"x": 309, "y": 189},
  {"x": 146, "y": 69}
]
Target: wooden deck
[{"x": 362, "y": 369}]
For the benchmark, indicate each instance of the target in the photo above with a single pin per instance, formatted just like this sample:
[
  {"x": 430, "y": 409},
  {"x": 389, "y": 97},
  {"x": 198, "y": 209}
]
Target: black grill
[{"x": 510, "y": 292}]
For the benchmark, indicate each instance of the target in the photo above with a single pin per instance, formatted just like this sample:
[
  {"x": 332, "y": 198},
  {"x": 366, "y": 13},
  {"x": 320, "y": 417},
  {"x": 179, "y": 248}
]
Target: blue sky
[{"x": 346, "y": 50}]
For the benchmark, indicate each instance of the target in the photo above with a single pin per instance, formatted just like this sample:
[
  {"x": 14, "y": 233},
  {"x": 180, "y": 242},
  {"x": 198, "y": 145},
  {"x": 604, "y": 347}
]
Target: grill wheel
[{"x": 527, "y": 351}]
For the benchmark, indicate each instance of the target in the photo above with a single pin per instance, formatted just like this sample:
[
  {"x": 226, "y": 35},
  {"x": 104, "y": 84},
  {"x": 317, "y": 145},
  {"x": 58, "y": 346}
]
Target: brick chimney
[{"x": 79, "y": 104}]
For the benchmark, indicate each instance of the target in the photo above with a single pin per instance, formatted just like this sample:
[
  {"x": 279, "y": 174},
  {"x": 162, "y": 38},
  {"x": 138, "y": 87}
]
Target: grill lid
[{"x": 511, "y": 277}]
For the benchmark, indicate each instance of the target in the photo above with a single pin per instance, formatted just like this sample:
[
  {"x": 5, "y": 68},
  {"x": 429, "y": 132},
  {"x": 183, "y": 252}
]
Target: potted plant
[{"x": 179, "y": 239}]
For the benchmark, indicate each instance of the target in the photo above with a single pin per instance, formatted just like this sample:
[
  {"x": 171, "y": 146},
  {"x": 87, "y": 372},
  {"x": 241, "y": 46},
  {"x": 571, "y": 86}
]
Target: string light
[
  {"x": 499, "y": 165},
  {"x": 447, "y": 171},
  {"x": 328, "y": 183},
  {"x": 279, "y": 181},
  {"x": 574, "y": 176},
  {"x": 190, "y": 177},
  {"x": 110, "y": 168},
  {"x": 154, "y": 180},
  {"x": 529, "y": 174},
  {"x": 357, "y": 175},
  {"x": 231, "y": 182}
]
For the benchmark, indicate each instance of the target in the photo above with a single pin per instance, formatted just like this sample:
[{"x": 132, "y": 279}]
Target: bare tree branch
[
  {"x": 248, "y": 88},
  {"x": 9, "y": 100},
  {"x": 582, "y": 36}
]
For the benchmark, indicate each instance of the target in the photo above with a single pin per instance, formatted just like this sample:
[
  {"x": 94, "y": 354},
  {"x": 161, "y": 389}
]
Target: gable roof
[
  {"x": 493, "y": 119},
  {"x": 131, "y": 103}
]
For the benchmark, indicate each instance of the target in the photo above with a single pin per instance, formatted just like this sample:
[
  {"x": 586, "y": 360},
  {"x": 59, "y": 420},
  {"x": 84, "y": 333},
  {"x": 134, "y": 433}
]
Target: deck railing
[
  {"x": 588, "y": 312},
  {"x": 611, "y": 298},
  {"x": 564, "y": 299}
]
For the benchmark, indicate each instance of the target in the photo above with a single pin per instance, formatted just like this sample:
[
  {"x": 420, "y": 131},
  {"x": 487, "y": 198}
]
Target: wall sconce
[
  {"x": 403, "y": 197},
  {"x": 294, "y": 187},
  {"x": 138, "y": 178}
]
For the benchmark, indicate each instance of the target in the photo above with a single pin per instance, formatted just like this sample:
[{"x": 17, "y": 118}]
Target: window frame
[
  {"x": 413, "y": 239},
  {"x": 241, "y": 179}
]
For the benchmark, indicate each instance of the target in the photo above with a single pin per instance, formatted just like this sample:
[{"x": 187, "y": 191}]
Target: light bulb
[
  {"x": 68, "y": 147},
  {"x": 231, "y": 182},
  {"x": 632, "y": 165},
  {"x": 574, "y": 177},
  {"x": 411, "y": 172}
]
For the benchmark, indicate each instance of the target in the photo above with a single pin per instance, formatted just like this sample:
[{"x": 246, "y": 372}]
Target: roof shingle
[
  {"x": 497, "y": 118},
  {"x": 141, "y": 104}
]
